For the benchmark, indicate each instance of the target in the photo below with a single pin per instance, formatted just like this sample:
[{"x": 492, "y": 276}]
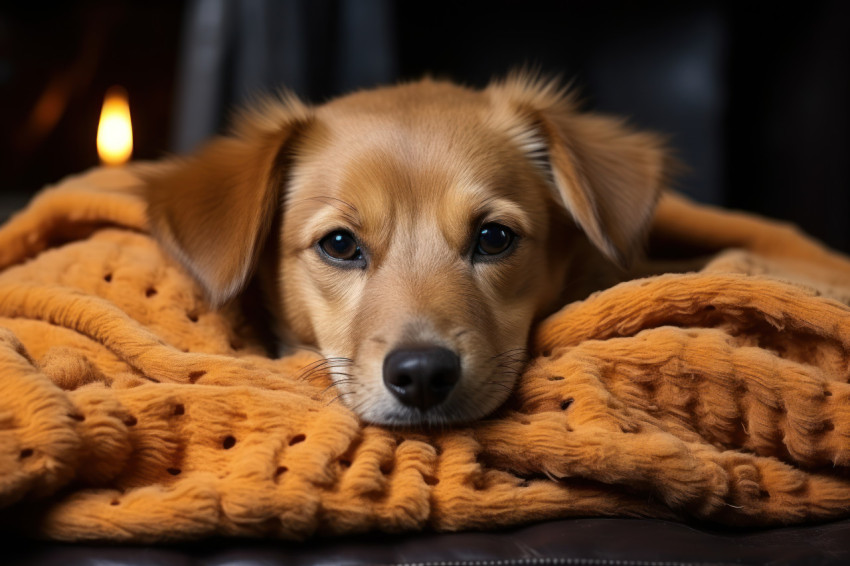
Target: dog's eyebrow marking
[
  {"x": 501, "y": 207},
  {"x": 348, "y": 210},
  {"x": 484, "y": 206}
]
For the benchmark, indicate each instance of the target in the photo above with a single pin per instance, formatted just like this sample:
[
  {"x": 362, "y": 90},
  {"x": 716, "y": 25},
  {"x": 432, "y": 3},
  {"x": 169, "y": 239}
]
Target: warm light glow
[{"x": 114, "y": 132}]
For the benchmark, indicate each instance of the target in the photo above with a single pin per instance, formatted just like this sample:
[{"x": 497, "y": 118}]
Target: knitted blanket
[{"x": 130, "y": 411}]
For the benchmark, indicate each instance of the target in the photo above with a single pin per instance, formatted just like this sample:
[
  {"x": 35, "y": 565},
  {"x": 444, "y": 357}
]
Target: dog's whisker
[
  {"x": 333, "y": 367},
  {"x": 318, "y": 372},
  {"x": 327, "y": 368},
  {"x": 509, "y": 363},
  {"x": 502, "y": 385},
  {"x": 512, "y": 352},
  {"x": 517, "y": 349},
  {"x": 325, "y": 390},
  {"x": 322, "y": 377},
  {"x": 310, "y": 378},
  {"x": 329, "y": 361},
  {"x": 510, "y": 371},
  {"x": 338, "y": 397},
  {"x": 514, "y": 357},
  {"x": 322, "y": 365},
  {"x": 305, "y": 373},
  {"x": 503, "y": 363},
  {"x": 515, "y": 354},
  {"x": 313, "y": 366},
  {"x": 335, "y": 384},
  {"x": 508, "y": 377}
]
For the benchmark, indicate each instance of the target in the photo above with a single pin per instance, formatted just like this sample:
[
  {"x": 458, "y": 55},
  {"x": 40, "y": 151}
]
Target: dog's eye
[
  {"x": 494, "y": 239},
  {"x": 341, "y": 245}
]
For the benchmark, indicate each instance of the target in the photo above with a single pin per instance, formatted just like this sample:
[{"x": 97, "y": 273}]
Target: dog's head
[{"x": 417, "y": 230}]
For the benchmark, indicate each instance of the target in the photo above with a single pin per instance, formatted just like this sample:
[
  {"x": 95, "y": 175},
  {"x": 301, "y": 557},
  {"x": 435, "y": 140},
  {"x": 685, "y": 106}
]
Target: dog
[{"x": 414, "y": 233}]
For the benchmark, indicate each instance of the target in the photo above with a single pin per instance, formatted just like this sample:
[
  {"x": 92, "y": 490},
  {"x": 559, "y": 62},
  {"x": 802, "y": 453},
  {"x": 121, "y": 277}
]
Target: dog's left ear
[
  {"x": 607, "y": 176},
  {"x": 213, "y": 209}
]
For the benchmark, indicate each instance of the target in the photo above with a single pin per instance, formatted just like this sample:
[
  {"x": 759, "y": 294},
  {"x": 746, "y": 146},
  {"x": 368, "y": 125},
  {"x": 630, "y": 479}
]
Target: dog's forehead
[
  {"x": 423, "y": 123},
  {"x": 404, "y": 153}
]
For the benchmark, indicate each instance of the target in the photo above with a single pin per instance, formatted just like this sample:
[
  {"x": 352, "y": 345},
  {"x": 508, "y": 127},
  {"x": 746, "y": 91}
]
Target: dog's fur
[{"x": 413, "y": 171}]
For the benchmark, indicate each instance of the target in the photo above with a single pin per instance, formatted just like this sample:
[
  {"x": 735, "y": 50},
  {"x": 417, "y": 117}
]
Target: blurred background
[{"x": 754, "y": 95}]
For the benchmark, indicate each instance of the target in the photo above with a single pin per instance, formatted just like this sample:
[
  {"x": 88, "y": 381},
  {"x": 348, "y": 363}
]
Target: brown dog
[{"x": 415, "y": 232}]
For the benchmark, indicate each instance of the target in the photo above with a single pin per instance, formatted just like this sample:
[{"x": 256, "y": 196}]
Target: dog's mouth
[{"x": 428, "y": 386}]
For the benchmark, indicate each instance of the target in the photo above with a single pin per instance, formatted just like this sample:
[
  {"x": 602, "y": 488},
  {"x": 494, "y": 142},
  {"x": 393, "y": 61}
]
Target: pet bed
[{"x": 129, "y": 411}]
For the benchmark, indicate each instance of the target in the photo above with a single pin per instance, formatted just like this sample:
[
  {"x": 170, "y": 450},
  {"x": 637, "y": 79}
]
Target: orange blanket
[{"x": 129, "y": 411}]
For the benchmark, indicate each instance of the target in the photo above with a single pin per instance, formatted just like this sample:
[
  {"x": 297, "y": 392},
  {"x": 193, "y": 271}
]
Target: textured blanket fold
[{"x": 130, "y": 411}]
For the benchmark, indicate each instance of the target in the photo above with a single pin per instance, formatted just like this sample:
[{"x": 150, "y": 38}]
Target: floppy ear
[
  {"x": 606, "y": 175},
  {"x": 212, "y": 210}
]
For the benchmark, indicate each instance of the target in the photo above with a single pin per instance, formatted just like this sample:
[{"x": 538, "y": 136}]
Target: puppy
[{"x": 415, "y": 232}]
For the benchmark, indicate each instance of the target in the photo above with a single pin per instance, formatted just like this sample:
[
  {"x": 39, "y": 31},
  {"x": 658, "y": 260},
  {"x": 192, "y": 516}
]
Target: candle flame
[{"x": 114, "y": 131}]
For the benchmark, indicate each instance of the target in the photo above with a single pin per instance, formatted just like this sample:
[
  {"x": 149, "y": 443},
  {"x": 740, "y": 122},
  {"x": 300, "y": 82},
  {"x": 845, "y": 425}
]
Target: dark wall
[
  {"x": 788, "y": 125},
  {"x": 57, "y": 60},
  {"x": 753, "y": 95}
]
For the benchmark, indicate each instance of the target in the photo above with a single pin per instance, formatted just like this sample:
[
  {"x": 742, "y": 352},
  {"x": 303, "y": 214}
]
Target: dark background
[{"x": 753, "y": 94}]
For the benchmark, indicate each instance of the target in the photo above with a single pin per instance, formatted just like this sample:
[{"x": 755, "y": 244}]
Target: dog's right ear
[
  {"x": 212, "y": 210},
  {"x": 605, "y": 174}
]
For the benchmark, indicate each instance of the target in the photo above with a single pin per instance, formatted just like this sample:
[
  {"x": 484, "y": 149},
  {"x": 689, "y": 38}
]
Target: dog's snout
[{"x": 421, "y": 377}]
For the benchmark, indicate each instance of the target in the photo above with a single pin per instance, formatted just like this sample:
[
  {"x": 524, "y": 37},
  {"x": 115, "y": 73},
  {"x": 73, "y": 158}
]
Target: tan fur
[{"x": 413, "y": 171}]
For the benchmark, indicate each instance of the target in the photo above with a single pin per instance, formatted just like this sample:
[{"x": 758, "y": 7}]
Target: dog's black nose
[{"x": 423, "y": 376}]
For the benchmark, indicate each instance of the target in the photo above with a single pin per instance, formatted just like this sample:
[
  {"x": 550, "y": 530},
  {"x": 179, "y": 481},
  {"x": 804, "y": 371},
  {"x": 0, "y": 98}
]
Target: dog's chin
[{"x": 389, "y": 412}]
